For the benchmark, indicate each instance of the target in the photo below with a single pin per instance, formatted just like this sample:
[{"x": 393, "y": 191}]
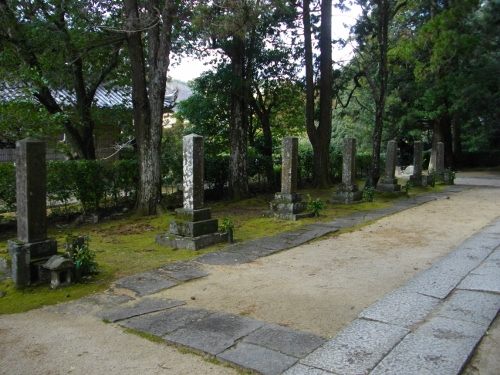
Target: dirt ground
[{"x": 318, "y": 287}]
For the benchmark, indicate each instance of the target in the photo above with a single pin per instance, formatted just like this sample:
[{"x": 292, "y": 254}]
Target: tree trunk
[
  {"x": 319, "y": 136},
  {"x": 238, "y": 176},
  {"x": 148, "y": 101},
  {"x": 378, "y": 87}
]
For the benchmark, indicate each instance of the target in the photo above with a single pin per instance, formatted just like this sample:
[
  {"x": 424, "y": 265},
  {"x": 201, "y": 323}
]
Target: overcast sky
[{"x": 192, "y": 68}]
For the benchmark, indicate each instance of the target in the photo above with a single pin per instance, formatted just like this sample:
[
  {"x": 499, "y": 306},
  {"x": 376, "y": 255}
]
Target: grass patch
[{"x": 126, "y": 246}]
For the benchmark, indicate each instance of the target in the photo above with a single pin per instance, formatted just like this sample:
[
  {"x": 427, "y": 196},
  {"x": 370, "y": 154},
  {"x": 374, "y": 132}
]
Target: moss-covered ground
[{"x": 126, "y": 246}]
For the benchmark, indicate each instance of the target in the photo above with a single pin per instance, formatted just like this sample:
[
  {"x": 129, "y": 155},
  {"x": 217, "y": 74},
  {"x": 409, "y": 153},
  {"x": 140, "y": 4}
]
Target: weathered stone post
[
  {"x": 416, "y": 177},
  {"x": 193, "y": 227},
  {"x": 32, "y": 248},
  {"x": 288, "y": 203},
  {"x": 348, "y": 192},
  {"x": 389, "y": 182},
  {"x": 443, "y": 173}
]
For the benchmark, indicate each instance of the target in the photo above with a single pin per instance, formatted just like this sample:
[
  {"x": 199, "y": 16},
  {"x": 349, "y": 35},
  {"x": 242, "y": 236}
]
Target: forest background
[{"x": 421, "y": 71}]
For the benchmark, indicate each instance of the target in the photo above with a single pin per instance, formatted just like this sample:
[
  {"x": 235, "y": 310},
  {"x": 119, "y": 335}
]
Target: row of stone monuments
[{"x": 34, "y": 256}]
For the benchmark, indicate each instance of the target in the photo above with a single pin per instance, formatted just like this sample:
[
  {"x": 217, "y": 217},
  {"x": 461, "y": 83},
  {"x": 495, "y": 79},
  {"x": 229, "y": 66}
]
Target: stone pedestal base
[
  {"x": 388, "y": 184},
  {"x": 288, "y": 207},
  {"x": 418, "y": 181},
  {"x": 347, "y": 194},
  {"x": 26, "y": 256},
  {"x": 190, "y": 243},
  {"x": 192, "y": 229},
  {"x": 447, "y": 177}
]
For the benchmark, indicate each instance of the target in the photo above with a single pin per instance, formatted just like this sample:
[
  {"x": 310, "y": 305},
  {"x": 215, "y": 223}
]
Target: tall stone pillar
[
  {"x": 348, "y": 192},
  {"x": 416, "y": 177},
  {"x": 193, "y": 227},
  {"x": 288, "y": 203},
  {"x": 389, "y": 182},
  {"x": 32, "y": 245},
  {"x": 440, "y": 159},
  {"x": 444, "y": 174}
]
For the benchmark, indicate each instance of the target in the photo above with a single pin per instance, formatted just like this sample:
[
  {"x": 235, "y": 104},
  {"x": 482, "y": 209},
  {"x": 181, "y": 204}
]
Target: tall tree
[
  {"x": 49, "y": 47},
  {"x": 149, "y": 65},
  {"x": 320, "y": 133},
  {"x": 374, "y": 44}
]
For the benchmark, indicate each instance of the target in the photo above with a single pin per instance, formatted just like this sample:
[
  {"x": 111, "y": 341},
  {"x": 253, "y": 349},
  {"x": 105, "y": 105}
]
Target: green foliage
[
  {"x": 227, "y": 224},
  {"x": 90, "y": 178},
  {"x": 7, "y": 187},
  {"x": 60, "y": 185},
  {"x": 368, "y": 194},
  {"x": 408, "y": 187},
  {"x": 84, "y": 258},
  {"x": 315, "y": 206}
]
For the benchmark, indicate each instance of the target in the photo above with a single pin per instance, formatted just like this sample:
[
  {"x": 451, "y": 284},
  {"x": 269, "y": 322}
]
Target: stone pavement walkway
[{"x": 431, "y": 325}]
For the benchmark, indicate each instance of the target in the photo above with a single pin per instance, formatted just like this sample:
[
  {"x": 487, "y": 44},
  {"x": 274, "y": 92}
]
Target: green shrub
[
  {"x": 84, "y": 258},
  {"x": 7, "y": 187},
  {"x": 60, "y": 186},
  {"x": 90, "y": 180}
]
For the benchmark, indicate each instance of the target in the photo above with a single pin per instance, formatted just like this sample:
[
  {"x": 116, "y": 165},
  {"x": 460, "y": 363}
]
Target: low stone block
[
  {"x": 288, "y": 198},
  {"x": 347, "y": 197},
  {"x": 190, "y": 243},
  {"x": 288, "y": 208},
  {"x": 193, "y": 215},
  {"x": 193, "y": 229},
  {"x": 257, "y": 358},
  {"x": 24, "y": 254},
  {"x": 388, "y": 187}
]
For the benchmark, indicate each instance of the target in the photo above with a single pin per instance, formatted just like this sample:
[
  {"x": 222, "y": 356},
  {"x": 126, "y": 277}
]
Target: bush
[
  {"x": 7, "y": 187},
  {"x": 60, "y": 186},
  {"x": 90, "y": 180}
]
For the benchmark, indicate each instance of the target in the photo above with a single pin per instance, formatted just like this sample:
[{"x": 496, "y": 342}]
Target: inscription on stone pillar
[
  {"x": 289, "y": 165},
  {"x": 193, "y": 166},
  {"x": 31, "y": 190}
]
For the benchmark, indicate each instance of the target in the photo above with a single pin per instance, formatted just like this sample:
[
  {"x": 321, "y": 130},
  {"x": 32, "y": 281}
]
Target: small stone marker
[
  {"x": 32, "y": 248},
  {"x": 288, "y": 203},
  {"x": 194, "y": 227},
  {"x": 416, "y": 177},
  {"x": 443, "y": 174},
  {"x": 348, "y": 192},
  {"x": 388, "y": 182}
]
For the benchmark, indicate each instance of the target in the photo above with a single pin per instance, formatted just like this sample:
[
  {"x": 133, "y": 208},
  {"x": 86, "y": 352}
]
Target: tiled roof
[{"x": 103, "y": 97}]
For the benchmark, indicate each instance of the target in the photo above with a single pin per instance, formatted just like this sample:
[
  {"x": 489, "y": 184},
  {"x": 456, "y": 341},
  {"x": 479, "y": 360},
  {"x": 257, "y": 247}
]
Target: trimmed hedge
[{"x": 88, "y": 181}]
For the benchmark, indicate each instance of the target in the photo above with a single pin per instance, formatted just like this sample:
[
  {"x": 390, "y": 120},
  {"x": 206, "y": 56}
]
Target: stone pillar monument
[
  {"x": 32, "y": 248},
  {"x": 416, "y": 177},
  {"x": 389, "y": 182},
  {"x": 193, "y": 227},
  {"x": 348, "y": 192},
  {"x": 444, "y": 174},
  {"x": 288, "y": 203}
]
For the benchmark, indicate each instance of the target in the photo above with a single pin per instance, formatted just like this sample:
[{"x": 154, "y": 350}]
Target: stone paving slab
[
  {"x": 144, "y": 306},
  {"x": 423, "y": 355},
  {"x": 163, "y": 322},
  {"x": 214, "y": 333},
  {"x": 183, "y": 270},
  {"x": 107, "y": 300},
  {"x": 221, "y": 258},
  {"x": 272, "y": 243},
  {"x": 258, "y": 358},
  {"x": 145, "y": 283},
  {"x": 400, "y": 308},
  {"x": 300, "y": 369},
  {"x": 475, "y": 307},
  {"x": 285, "y": 340},
  {"x": 485, "y": 279},
  {"x": 443, "y": 276},
  {"x": 251, "y": 250},
  {"x": 357, "y": 349},
  {"x": 466, "y": 333}
]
